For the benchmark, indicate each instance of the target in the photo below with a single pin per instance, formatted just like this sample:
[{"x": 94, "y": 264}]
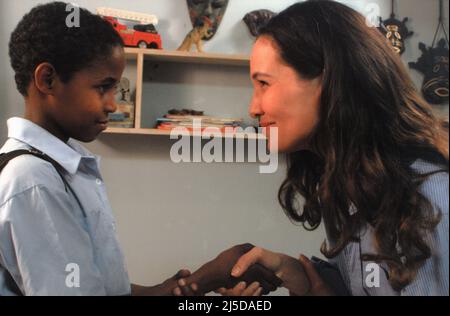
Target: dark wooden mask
[
  {"x": 256, "y": 19},
  {"x": 396, "y": 32},
  {"x": 434, "y": 65}
]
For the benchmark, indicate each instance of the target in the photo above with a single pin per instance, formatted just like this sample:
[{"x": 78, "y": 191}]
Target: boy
[{"x": 57, "y": 233}]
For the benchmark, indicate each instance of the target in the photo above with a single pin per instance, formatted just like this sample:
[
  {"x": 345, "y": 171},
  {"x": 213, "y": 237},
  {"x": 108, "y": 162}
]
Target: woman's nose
[{"x": 255, "y": 108}]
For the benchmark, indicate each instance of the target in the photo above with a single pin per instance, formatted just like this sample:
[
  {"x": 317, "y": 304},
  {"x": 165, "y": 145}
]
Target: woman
[{"x": 364, "y": 151}]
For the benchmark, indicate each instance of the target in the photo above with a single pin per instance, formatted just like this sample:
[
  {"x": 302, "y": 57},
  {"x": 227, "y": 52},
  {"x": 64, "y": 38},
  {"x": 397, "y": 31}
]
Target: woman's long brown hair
[{"x": 373, "y": 125}]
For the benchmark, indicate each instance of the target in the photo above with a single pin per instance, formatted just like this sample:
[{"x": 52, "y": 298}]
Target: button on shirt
[{"x": 53, "y": 240}]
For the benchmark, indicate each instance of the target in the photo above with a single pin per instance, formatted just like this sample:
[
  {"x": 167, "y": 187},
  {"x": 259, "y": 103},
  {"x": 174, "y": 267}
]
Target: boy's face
[{"x": 79, "y": 108}]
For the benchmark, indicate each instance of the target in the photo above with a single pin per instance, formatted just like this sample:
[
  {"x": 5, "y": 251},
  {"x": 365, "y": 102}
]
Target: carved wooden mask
[
  {"x": 214, "y": 10},
  {"x": 434, "y": 65},
  {"x": 396, "y": 32}
]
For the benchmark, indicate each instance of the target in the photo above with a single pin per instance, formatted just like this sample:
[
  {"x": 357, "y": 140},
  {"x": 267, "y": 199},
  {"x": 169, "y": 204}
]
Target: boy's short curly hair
[{"x": 43, "y": 36}]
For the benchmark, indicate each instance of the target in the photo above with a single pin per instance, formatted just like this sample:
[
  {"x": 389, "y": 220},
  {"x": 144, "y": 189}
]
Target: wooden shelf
[
  {"x": 140, "y": 55},
  {"x": 154, "y": 131},
  {"x": 189, "y": 57}
]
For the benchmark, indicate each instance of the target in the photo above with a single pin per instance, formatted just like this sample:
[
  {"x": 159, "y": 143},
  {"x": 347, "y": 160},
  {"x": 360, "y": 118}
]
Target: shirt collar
[{"x": 68, "y": 155}]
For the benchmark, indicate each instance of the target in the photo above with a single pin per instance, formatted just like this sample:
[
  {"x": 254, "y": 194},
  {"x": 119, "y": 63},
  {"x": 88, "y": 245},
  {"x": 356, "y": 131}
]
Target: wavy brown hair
[{"x": 373, "y": 125}]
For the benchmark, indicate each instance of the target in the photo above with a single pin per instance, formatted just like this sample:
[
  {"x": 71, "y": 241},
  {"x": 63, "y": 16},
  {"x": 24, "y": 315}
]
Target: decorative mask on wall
[
  {"x": 434, "y": 65},
  {"x": 256, "y": 19},
  {"x": 213, "y": 10},
  {"x": 395, "y": 31}
]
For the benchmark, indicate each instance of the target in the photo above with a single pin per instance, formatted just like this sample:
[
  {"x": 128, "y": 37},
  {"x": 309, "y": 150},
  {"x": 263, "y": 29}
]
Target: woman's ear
[{"x": 44, "y": 78}]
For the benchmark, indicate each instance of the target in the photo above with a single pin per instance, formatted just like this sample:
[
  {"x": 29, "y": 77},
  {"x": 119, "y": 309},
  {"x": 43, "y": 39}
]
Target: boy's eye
[{"x": 106, "y": 88}]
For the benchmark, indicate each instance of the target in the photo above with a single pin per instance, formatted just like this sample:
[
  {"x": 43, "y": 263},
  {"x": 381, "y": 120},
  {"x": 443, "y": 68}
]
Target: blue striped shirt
[
  {"x": 367, "y": 278},
  {"x": 53, "y": 242}
]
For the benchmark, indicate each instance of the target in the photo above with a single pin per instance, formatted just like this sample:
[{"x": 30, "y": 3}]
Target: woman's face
[{"x": 282, "y": 99}]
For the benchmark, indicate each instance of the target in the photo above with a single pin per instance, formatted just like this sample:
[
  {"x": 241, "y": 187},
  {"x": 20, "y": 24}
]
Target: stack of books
[{"x": 171, "y": 121}]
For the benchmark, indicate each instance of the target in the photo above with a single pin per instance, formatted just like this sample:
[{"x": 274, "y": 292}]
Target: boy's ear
[{"x": 45, "y": 77}]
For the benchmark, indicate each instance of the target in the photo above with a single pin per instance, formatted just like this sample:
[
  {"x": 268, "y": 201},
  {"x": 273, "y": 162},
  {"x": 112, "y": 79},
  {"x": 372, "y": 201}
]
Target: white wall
[{"x": 180, "y": 216}]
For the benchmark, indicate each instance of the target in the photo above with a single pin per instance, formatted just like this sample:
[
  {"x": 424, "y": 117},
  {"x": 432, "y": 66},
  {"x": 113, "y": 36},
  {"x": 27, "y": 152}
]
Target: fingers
[
  {"x": 241, "y": 289},
  {"x": 318, "y": 286},
  {"x": 258, "y": 292},
  {"x": 266, "y": 258},
  {"x": 246, "y": 247},
  {"x": 246, "y": 261},
  {"x": 268, "y": 275},
  {"x": 310, "y": 270},
  {"x": 266, "y": 287},
  {"x": 253, "y": 290},
  {"x": 265, "y": 277},
  {"x": 177, "y": 291},
  {"x": 184, "y": 273},
  {"x": 260, "y": 265},
  {"x": 222, "y": 291},
  {"x": 238, "y": 289},
  {"x": 184, "y": 289}
]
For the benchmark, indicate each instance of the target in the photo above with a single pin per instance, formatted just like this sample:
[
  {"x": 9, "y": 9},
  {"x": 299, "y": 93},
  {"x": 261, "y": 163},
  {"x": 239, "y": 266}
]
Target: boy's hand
[
  {"x": 217, "y": 273},
  {"x": 164, "y": 289},
  {"x": 288, "y": 269}
]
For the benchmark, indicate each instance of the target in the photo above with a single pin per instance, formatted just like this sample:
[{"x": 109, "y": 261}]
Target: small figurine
[
  {"x": 256, "y": 19},
  {"x": 124, "y": 115},
  {"x": 201, "y": 30},
  {"x": 124, "y": 90}
]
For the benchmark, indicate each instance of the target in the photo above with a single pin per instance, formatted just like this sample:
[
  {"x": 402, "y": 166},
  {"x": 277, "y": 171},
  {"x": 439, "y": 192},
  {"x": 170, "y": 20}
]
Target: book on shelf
[
  {"x": 171, "y": 121},
  {"x": 169, "y": 127}
]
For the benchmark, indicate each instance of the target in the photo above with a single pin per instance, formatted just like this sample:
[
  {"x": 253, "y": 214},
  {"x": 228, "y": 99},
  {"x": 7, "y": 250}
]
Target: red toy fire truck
[{"x": 142, "y": 35}]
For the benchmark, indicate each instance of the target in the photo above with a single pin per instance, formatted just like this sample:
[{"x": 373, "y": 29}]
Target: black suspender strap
[{"x": 7, "y": 157}]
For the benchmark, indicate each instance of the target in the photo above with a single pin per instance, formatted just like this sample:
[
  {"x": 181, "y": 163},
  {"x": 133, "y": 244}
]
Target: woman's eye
[{"x": 263, "y": 83}]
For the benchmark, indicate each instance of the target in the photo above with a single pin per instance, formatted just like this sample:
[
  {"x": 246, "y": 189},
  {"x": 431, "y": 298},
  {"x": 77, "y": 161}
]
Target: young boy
[{"x": 57, "y": 233}]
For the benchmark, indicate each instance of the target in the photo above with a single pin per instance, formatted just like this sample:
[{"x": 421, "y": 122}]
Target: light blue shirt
[
  {"x": 362, "y": 277},
  {"x": 46, "y": 235}
]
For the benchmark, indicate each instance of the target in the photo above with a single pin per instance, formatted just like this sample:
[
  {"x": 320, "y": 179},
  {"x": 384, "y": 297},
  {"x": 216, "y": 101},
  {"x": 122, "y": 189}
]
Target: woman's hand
[
  {"x": 288, "y": 269},
  {"x": 217, "y": 273},
  {"x": 318, "y": 286}
]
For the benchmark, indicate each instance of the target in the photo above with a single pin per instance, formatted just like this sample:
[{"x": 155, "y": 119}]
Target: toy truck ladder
[{"x": 142, "y": 18}]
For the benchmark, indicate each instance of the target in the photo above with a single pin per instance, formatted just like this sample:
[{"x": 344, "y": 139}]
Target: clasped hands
[{"x": 263, "y": 271}]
